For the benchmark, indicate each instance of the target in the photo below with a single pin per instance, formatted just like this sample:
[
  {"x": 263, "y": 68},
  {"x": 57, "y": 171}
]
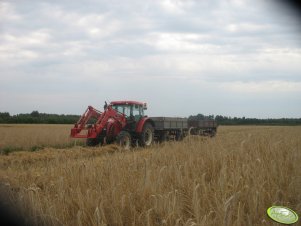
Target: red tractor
[{"x": 123, "y": 122}]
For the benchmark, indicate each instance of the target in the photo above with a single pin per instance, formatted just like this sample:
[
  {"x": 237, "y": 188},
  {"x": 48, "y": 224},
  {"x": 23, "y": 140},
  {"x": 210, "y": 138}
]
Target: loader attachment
[{"x": 76, "y": 131}]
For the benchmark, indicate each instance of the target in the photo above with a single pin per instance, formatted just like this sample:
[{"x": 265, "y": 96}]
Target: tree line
[
  {"x": 43, "y": 118},
  {"x": 38, "y": 118},
  {"x": 226, "y": 120}
]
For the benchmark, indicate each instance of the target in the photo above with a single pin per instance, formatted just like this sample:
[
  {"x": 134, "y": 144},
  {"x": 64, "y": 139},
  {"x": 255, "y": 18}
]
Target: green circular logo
[{"x": 282, "y": 214}]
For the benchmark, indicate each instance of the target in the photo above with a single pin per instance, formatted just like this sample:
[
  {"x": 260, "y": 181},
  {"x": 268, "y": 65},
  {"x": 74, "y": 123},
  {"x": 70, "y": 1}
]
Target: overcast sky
[{"x": 227, "y": 57}]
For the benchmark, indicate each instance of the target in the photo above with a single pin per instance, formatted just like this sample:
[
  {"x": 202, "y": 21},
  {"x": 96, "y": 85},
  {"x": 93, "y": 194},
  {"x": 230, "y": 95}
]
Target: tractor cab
[{"x": 132, "y": 110}]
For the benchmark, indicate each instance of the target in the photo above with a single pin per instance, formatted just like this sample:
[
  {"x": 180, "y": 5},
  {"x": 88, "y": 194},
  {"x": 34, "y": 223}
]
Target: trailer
[
  {"x": 174, "y": 128},
  {"x": 168, "y": 128},
  {"x": 205, "y": 127}
]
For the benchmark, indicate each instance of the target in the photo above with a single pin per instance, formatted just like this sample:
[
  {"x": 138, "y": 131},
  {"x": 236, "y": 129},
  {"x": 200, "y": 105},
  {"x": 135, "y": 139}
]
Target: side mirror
[{"x": 144, "y": 106}]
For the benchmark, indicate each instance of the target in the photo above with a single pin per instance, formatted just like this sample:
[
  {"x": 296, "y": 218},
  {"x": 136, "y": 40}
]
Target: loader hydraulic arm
[
  {"x": 109, "y": 113},
  {"x": 97, "y": 128}
]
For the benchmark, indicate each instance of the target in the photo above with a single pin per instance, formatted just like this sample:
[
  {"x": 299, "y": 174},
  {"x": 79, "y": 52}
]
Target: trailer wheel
[
  {"x": 147, "y": 136},
  {"x": 213, "y": 133},
  {"x": 124, "y": 140},
  {"x": 201, "y": 132},
  {"x": 190, "y": 131},
  {"x": 179, "y": 135},
  {"x": 163, "y": 137}
]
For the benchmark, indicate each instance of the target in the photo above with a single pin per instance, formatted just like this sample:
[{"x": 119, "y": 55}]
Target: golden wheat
[
  {"x": 26, "y": 135},
  {"x": 228, "y": 180}
]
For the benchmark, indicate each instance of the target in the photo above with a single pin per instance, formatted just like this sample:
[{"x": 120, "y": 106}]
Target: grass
[{"x": 228, "y": 180}]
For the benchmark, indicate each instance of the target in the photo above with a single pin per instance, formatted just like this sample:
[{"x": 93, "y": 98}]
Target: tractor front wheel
[
  {"x": 95, "y": 141},
  {"x": 124, "y": 140},
  {"x": 91, "y": 142},
  {"x": 147, "y": 136}
]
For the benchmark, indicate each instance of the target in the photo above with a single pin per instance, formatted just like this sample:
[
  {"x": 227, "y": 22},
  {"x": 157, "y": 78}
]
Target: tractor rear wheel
[
  {"x": 124, "y": 139},
  {"x": 147, "y": 136}
]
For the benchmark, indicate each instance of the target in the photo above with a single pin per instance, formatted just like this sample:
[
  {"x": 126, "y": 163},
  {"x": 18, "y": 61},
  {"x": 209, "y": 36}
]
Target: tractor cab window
[
  {"x": 123, "y": 109},
  {"x": 130, "y": 111},
  {"x": 137, "y": 112}
]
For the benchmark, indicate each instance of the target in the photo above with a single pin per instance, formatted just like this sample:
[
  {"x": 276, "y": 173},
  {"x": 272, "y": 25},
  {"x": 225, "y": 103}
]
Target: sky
[{"x": 181, "y": 57}]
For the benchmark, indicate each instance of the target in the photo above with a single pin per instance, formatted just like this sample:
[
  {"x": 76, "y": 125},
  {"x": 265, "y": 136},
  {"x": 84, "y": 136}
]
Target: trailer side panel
[{"x": 170, "y": 123}]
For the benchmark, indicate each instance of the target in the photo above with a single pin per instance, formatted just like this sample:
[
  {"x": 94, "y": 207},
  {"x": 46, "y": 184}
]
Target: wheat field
[
  {"x": 26, "y": 136},
  {"x": 227, "y": 180}
]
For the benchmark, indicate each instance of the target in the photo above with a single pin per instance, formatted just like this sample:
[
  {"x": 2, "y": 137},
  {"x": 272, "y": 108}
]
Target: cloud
[
  {"x": 177, "y": 7},
  {"x": 8, "y": 13},
  {"x": 246, "y": 27},
  {"x": 262, "y": 87},
  {"x": 181, "y": 42},
  {"x": 160, "y": 51}
]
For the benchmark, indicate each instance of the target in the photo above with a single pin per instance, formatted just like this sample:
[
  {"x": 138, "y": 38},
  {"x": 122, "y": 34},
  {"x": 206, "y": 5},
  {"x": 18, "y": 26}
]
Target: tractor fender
[{"x": 142, "y": 122}]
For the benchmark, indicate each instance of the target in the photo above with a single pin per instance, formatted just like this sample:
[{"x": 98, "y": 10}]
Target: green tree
[{"x": 35, "y": 114}]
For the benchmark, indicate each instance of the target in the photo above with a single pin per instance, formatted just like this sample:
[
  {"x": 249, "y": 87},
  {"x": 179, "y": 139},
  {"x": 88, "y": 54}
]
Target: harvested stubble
[{"x": 228, "y": 180}]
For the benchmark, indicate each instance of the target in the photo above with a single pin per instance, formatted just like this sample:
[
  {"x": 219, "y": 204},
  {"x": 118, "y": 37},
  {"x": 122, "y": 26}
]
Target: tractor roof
[{"x": 126, "y": 102}]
